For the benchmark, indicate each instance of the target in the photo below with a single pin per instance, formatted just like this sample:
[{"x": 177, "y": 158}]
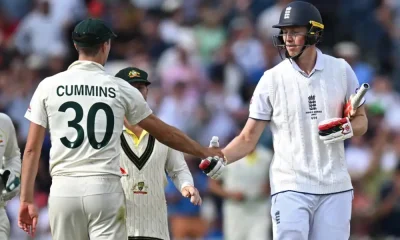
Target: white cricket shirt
[
  {"x": 84, "y": 109},
  {"x": 145, "y": 162},
  {"x": 294, "y": 104},
  {"x": 10, "y": 154}
]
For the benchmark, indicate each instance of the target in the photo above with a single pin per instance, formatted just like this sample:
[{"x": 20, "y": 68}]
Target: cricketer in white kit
[
  {"x": 84, "y": 109},
  {"x": 10, "y": 171},
  {"x": 244, "y": 187},
  {"x": 144, "y": 164},
  {"x": 310, "y": 184}
]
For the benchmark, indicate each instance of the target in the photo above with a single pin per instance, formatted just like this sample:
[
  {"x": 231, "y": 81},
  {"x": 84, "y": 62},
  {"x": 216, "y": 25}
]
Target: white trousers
[
  {"x": 83, "y": 208},
  {"x": 300, "y": 216},
  {"x": 4, "y": 225}
]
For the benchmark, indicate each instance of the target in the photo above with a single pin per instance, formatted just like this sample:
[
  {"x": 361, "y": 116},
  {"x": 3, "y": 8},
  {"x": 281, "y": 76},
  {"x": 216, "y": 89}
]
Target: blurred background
[{"x": 204, "y": 58}]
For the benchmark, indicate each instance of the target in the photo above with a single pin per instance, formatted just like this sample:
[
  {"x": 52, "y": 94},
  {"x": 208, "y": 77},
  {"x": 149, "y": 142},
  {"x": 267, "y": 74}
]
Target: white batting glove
[
  {"x": 335, "y": 130},
  {"x": 213, "y": 166},
  {"x": 11, "y": 184}
]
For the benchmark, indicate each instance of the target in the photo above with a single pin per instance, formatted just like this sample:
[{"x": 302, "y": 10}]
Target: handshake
[{"x": 214, "y": 165}]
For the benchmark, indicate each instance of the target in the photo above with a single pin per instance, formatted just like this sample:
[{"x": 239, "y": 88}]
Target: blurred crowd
[{"x": 204, "y": 59}]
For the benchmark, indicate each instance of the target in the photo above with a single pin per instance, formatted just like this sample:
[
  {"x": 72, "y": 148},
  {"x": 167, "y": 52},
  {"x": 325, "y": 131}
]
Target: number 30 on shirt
[{"x": 90, "y": 124}]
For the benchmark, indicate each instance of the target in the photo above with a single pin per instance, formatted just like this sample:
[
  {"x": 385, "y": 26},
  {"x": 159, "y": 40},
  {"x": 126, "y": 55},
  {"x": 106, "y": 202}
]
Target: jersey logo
[
  {"x": 142, "y": 160},
  {"x": 278, "y": 217},
  {"x": 133, "y": 74},
  {"x": 312, "y": 106},
  {"x": 287, "y": 13},
  {"x": 140, "y": 188}
]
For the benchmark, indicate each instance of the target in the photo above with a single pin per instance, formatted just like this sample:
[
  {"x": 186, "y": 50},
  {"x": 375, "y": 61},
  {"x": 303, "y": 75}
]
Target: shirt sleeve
[
  {"x": 12, "y": 154},
  {"x": 36, "y": 112},
  {"x": 178, "y": 170},
  {"x": 137, "y": 108},
  {"x": 260, "y": 105},
  {"x": 352, "y": 83}
]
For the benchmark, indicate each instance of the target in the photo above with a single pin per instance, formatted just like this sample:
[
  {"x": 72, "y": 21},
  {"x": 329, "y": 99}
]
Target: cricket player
[
  {"x": 10, "y": 171},
  {"x": 310, "y": 185},
  {"x": 244, "y": 188},
  {"x": 144, "y": 162},
  {"x": 84, "y": 109}
]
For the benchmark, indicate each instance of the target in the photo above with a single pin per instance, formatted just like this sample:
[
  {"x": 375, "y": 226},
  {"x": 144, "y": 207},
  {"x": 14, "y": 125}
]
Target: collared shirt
[
  {"x": 136, "y": 139},
  {"x": 84, "y": 109},
  {"x": 172, "y": 161},
  {"x": 319, "y": 65},
  {"x": 295, "y": 103},
  {"x": 144, "y": 163}
]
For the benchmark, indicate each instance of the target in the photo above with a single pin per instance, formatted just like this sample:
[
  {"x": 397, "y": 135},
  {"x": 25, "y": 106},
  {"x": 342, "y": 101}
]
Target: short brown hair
[{"x": 89, "y": 51}]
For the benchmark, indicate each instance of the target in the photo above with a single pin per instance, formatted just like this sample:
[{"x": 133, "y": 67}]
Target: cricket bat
[{"x": 355, "y": 101}]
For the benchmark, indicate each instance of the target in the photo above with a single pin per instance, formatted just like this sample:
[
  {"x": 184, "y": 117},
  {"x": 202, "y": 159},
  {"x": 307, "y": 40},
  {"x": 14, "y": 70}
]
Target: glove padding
[
  {"x": 335, "y": 130},
  {"x": 11, "y": 184},
  {"x": 213, "y": 166}
]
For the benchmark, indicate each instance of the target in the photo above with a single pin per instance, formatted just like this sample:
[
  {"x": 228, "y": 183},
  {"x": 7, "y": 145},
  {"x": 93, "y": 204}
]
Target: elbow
[
  {"x": 249, "y": 142},
  {"x": 363, "y": 127},
  {"x": 30, "y": 152}
]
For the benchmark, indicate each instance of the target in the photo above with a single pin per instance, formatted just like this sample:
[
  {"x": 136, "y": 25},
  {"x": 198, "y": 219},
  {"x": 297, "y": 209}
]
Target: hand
[
  {"x": 214, "y": 151},
  {"x": 236, "y": 196},
  {"x": 12, "y": 185},
  {"x": 335, "y": 129},
  {"x": 28, "y": 218},
  {"x": 213, "y": 166},
  {"x": 193, "y": 193}
]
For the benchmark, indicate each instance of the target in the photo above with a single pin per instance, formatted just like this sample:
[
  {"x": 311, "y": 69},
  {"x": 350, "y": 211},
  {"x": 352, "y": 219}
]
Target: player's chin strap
[{"x": 297, "y": 56}]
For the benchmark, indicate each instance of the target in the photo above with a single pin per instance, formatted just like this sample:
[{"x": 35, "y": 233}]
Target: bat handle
[
  {"x": 214, "y": 142},
  {"x": 356, "y": 101}
]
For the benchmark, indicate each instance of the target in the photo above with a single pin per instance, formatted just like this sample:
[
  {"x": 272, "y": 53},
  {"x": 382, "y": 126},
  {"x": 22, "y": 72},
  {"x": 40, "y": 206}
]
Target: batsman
[{"x": 313, "y": 103}]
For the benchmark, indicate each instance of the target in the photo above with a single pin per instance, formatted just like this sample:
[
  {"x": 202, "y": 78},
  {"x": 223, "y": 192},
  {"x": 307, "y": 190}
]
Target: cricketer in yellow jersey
[
  {"x": 144, "y": 164},
  {"x": 84, "y": 109}
]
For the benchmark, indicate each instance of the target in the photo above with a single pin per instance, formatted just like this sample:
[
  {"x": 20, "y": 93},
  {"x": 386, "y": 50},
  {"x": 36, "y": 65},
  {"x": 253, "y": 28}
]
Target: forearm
[
  {"x": 30, "y": 165},
  {"x": 238, "y": 148},
  {"x": 182, "y": 179},
  {"x": 174, "y": 138},
  {"x": 360, "y": 125}
]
